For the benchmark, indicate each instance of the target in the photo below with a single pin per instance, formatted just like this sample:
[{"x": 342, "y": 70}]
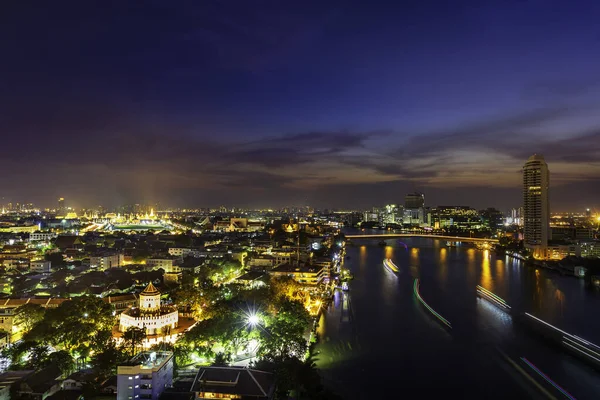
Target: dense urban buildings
[{"x": 160, "y": 288}]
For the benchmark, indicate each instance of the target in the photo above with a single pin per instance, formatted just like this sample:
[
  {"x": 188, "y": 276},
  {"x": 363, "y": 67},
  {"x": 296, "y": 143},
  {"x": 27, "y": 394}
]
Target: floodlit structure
[
  {"x": 151, "y": 315},
  {"x": 536, "y": 208}
]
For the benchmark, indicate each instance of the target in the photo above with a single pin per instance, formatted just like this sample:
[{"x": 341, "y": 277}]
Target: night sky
[{"x": 332, "y": 104}]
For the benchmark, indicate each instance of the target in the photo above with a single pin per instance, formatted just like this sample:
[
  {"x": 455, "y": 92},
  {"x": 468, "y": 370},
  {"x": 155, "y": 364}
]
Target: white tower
[{"x": 150, "y": 299}]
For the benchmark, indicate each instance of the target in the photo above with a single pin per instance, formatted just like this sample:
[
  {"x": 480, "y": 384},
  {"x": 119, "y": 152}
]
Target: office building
[
  {"x": 414, "y": 208},
  {"x": 62, "y": 209},
  {"x": 414, "y": 200},
  {"x": 536, "y": 208},
  {"x": 145, "y": 376},
  {"x": 106, "y": 260}
]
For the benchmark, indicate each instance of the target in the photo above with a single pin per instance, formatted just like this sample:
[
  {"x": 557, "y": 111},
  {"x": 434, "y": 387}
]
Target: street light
[{"x": 253, "y": 320}]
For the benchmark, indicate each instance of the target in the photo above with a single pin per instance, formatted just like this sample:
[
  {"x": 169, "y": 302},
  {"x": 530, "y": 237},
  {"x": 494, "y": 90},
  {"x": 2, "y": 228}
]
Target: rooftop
[
  {"x": 148, "y": 359},
  {"x": 251, "y": 276},
  {"x": 536, "y": 157},
  {"x": 286, "y": 267},
  {"x": 150, "y": 290},
  {"x": 234, "y": 380}
]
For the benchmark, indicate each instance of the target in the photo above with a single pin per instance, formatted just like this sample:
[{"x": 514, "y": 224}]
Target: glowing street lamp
[{"x": 253, "y": 320}]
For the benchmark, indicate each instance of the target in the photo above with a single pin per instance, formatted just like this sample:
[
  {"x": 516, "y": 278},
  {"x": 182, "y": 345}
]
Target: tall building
[
  {"x": 536, "y": 207},
  {"x": 62, "y": 209},
  {"x": 414, "y": 208},
  {"x": 414, "y": 200}
]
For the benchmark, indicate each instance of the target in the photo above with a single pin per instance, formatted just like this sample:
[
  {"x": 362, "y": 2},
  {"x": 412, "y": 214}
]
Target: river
[{"x": 378, "y": 341}]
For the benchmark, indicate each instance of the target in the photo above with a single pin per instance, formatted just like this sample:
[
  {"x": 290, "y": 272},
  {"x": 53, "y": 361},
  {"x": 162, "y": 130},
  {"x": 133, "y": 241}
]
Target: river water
[{"x": 378, "y": 341}]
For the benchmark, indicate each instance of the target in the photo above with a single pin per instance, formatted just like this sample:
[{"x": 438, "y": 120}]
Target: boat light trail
[
  {"x": 490, "y": 296},
  {"x": 580, "y": 350},
  {"x": 582, "y": 346},
  {"x": 550, "y": 381},
  {"x": 418, "y": 294},
  {"x": 389, "y": 264}
]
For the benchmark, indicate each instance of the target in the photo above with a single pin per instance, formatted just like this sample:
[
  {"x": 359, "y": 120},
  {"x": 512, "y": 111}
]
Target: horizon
[{"x": 344, "y": 105}]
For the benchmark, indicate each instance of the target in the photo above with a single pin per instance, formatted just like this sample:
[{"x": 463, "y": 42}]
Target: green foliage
[
  {"x": 28, "y": 315},
  {"x": 72, "y": 324},
  {"x": 33, "y": 355},
  {"x": 296, "y": 379},
  {"x": 133, "y": 338},
  {"x": 222, "y": 358},
  {"x": 228, "y": 331},
  {"x": 105, "y": 362},
  {"x": 62, "y": 359},
  {"x": 285, "y": 332}
]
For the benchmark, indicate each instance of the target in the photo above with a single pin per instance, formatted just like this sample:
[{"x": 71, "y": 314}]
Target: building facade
[
  {"x": 107, "y": 261},
  {"x": 536, "y": 207},
  {"x": 40, "y": 266},
  {"x": 145, "y": 376}
]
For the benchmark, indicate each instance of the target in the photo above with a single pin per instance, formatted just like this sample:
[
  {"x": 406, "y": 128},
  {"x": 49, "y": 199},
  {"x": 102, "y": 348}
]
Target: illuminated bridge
[{"x": 401, "y": 235}]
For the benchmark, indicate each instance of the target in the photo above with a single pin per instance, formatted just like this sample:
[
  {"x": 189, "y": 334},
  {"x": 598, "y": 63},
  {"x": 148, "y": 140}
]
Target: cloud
[{"x": 111, "y": 158}]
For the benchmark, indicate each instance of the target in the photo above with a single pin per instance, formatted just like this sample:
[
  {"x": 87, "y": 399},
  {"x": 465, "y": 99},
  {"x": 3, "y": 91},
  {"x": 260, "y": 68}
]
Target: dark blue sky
[{"x": 270, "y": 103}]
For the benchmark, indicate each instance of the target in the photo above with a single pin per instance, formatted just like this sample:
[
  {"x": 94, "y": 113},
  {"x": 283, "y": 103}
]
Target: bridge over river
[{"x": 402, "y": 235}]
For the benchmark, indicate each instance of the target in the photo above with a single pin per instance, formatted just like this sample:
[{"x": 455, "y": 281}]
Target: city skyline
[{"x": 328, "y": 105}]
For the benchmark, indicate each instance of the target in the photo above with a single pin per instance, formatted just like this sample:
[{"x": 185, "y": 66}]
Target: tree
[
  {"x": 222, "y": 359},
  {"x": 28, "y": 315},
  {"x": 132, "y": 338},
  {"x": 62, "y": 359},
  {"x": 285, "y": 287},
  {"x": 285, "y": 333},
  {"x": 105, "y": 362},
  {"x": 38, "y": 355},
  {"x": 73, "y": 324}
]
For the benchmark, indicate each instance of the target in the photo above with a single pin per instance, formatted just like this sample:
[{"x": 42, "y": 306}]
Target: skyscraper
[
  {"x": 414, "y": 208},
  {"x": 62, "y": 210},
  {"x": 414, "y": 200},
  {"x": 536, "y": 208}
]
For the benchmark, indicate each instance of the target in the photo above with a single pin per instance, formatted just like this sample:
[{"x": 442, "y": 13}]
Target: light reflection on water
[
  {"x": 486, "y": 272},
  {"x": 443, "y": 264},
  {"x": 393, "y": 329}
]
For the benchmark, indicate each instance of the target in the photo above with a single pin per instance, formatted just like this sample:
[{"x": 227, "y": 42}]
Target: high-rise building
[
  {"x": 62, "y": 210},
  {"x": 536, "y": 208},
  {"x": 414, "y": 208},
  {"x": 414, "y": 200}
]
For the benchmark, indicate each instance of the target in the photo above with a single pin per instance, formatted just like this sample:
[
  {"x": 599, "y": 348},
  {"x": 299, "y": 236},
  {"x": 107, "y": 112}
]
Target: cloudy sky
[{"x": 271, "y": 103}]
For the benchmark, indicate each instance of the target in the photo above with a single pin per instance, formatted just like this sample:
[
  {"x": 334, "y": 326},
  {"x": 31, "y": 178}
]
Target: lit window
[{"x": 130, "y": 378}]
